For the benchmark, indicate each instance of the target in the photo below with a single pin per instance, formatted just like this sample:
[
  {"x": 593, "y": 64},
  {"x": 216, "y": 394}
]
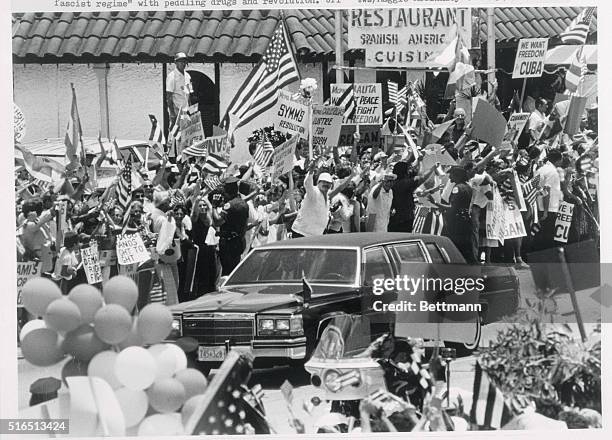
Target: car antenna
[{"x": 306, "y": 294}]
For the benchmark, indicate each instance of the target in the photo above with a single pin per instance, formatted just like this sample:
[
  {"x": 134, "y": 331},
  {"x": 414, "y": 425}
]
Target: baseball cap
[
  {"x": 325, "y": 177},
  {"x": 180, "y": 56}
]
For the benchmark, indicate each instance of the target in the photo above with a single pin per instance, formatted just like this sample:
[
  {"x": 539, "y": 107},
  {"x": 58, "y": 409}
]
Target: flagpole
[{"x": 338, "y": 40}]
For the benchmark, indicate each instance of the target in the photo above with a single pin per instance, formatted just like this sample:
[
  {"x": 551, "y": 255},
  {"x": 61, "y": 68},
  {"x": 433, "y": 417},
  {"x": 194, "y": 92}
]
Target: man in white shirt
[
  {"x": 178, "y": 87},
  {"x": 548, "y": 204},
  {"x": 313, "y": 215},
  {"x": 537, "y": 119},
  {"x": 379, "y": 204}
]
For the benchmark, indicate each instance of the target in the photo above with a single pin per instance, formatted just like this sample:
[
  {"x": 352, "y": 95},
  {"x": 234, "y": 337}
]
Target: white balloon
[
  {"x": 190, "y": 406},
  {"x": 135, "y": 368},
  {"x": 169, "y": 358},
  {"x": 31, "y": 325},
  {"x": 102, "y": 365},
  {"x": 134, "y": 405},
  {"x": 161, "y": 424}
]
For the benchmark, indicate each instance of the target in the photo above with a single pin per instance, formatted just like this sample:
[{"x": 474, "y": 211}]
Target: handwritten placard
[
  {"x": 326, "y": 124},
  {"x": 25, "y": 271},
  {"x": 563, "y": 222},
  {"x": 131, "y": 249},
  {"x": 283, "y": 158},
  {"x": 91, "y": 264},
  {"x": 530, "y": 55}
]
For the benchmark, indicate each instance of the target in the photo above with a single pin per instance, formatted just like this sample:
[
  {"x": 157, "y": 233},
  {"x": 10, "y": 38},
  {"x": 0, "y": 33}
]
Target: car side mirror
[{"x": 222, "y": 280}]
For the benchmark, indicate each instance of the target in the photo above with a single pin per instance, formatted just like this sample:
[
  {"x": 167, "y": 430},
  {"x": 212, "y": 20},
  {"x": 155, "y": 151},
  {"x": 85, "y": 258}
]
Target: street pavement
[{"x": 462, "y": 370}]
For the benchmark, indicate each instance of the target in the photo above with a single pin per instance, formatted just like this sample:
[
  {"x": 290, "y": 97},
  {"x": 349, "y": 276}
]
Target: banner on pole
[
  {"x": 516, "y": 125},
  {"x": 406, "y": 37},
  {"x": 495, "y": 217},
  {"x": 530, "y": 55},
  {"x": 291, "y": 115},
  {"x": 326, "y": 124},
  {"x": 191, "y": 128},
  {"x": 563, "y": 222},
  {"x": 284, "y": 156},
  {"x": 26, "y": 271},
  {"x": 131, "y": 249},
  {"x": 514, "y": 227},
  {"x": 91, "y": 264},
  {"x": 368, "y": 97},
  {"x": 488, "y": 124}
]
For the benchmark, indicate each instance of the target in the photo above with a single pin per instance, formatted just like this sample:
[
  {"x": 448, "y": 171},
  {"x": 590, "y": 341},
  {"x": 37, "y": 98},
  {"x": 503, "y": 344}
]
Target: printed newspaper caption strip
[{"x": 403, "y": 37}]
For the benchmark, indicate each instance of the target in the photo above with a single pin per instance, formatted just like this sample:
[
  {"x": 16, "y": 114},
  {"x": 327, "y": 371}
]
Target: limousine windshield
[{"x": 322, "y": 266}]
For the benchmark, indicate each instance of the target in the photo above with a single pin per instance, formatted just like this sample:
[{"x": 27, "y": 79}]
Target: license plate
[{"x": 207, "y": 354}]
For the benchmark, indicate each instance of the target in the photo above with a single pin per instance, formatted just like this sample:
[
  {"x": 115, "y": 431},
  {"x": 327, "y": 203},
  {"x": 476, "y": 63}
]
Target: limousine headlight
[
  {"x": 280, "y": 326},
  {"x": 177, "y": 328}
]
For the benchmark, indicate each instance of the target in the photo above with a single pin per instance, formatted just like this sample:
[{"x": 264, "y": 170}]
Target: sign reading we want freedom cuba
[{"x": 406, "y": 37}]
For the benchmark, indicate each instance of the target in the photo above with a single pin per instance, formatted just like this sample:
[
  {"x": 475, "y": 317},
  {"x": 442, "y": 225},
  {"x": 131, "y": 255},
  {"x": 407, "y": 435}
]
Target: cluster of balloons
[{"x": 98, "y": 334}]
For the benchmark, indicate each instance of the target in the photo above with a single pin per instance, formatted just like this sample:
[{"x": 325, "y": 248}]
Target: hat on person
[
  {"x": 325, "y": 177},
  {"x": 180, "y": 56},
  {"x": 380, "y": 155}
]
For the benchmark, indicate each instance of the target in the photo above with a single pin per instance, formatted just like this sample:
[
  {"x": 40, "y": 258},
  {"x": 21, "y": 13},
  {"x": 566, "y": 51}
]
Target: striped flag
[
  {"x": 74, "y": 133},
  {"x": 576, "y": 71},
  {"x": 489, "y": 408},
  {"x": 577, "y": 31},
  {"x": 420, "y": 216},
  {"x": 347, "y": 100},
  {"x": 531, "y": 189},
  {"x": 393, "y": 93},
  {"x": 123, "y": 192},
  {"x": 212, "y": 182},
  {"x": 41, "y": 168},
  {"x": 263, "y": 153},
  {"x": 157, "y": 134},
  {"x": 196, "y": 150},
  {"x": 215, "y": 164},
  {"x": 276, "y": 69}
]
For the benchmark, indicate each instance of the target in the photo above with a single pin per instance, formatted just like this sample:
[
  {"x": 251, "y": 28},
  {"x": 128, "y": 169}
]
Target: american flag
[
  {"x": 212, "y": 182},
  {"x": 157, "y": 135},
  {"x": 124, "y": 186},
  {"x": 576, "y": 32},
  {"x": 576, "y": 71},
  {"x": 347, "y": 100},
  {"x": 393, "y": 92},
  {"x": 196, "y": 150},
  {"x": 215, "y": 164},
  {"x": 263, "y": 153},
  {"x": 174, "y": 135},
  {"x": 530, "y": 190},
  {"x": 489, "y": 407},
  {"x": 420, "y": 216},
  {"x": 276, "y": 69},
  {"x": 223, "y": 410},
  {"x": 72, "y": 140}
]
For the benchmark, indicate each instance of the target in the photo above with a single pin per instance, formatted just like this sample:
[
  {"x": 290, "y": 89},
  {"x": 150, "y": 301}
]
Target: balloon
[
  {"x": 83, "y": 343},
  {"x": 63, "y": 315},
  {"x": 31, "y": 325},
  {"x": 42, "y": 347},
  {"x": 74, "y": 367},
  {"x": 112, "y": 323},
  {"x": 133, "y": 338},
  {"x": 161, "y": 424},
  {"x": 169, "y": 359},
  {"x": 121, "y": 290},
  {"x": 190, "y": 406},
  {"x": 102, "y": 365},
  {"x": 166, "y": 395},
  {"x": 88, "y": 299},
  {"x": 38, "y": 293},
  {"x": 154, "y": 323},
  {"x": 134, "y": 405},
  {"x": 135, "y": 368},
  {"x": 193, "y": 380}
]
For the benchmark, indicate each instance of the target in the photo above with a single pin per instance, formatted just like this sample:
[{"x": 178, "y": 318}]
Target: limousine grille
[{"x": 216, "y": 328}]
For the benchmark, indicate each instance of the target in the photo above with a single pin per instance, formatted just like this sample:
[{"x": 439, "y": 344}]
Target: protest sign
[
  {"x": 19, "y": 124},
  {"x": 25, "y": 271},
  {"x": 529, "y": 61},
  {"x": 368, "y": 98},
  {"x": 191, "y": 128},
  {"x": 513, "y": 222},
  {"x": 283, "y": 158},
  {"x": 91, "y": 264},
  {"x": 131, "y": 249},
  {"x": 563, "y": 222},
  {"x": 370, "y": 137},
  {"x": 129, "y": 270},
  {"x": 105, "y": 176},
  {"x": 291, "y": 115},
  {"x": 516, "y": 125},
  {"x": 495, "y": 217},
  {"x": 406, "y": 37},
  {"x": 488, "y": 124},
  {"x": 326, "y": 124}
]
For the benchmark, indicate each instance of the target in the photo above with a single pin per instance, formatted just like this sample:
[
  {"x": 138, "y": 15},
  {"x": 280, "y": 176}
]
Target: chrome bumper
[{"x": 277, "y": 348}]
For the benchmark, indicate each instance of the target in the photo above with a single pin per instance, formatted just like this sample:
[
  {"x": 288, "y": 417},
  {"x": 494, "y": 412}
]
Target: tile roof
[{"x": 237, "y": 35}]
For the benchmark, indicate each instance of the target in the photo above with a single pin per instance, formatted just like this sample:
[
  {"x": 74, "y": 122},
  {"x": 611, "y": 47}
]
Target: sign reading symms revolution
[{"x": 406, "y": 37}]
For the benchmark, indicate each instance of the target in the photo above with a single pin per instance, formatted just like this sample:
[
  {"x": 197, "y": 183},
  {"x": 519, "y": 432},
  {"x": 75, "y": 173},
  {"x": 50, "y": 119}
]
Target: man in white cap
[
  {"x": 379, "y": 204},
  {"x": 178, "y": 87},
  {"x": 313, "y": 216}
]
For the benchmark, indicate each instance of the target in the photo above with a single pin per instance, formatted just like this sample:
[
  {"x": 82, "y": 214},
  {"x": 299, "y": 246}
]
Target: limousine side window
[
  {"x": 408, "y": 253},
  {"x": 376, "y": 265}
]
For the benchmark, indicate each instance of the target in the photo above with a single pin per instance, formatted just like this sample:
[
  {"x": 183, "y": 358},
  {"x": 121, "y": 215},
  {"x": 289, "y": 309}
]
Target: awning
[{"x": 561, "y": 57}]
